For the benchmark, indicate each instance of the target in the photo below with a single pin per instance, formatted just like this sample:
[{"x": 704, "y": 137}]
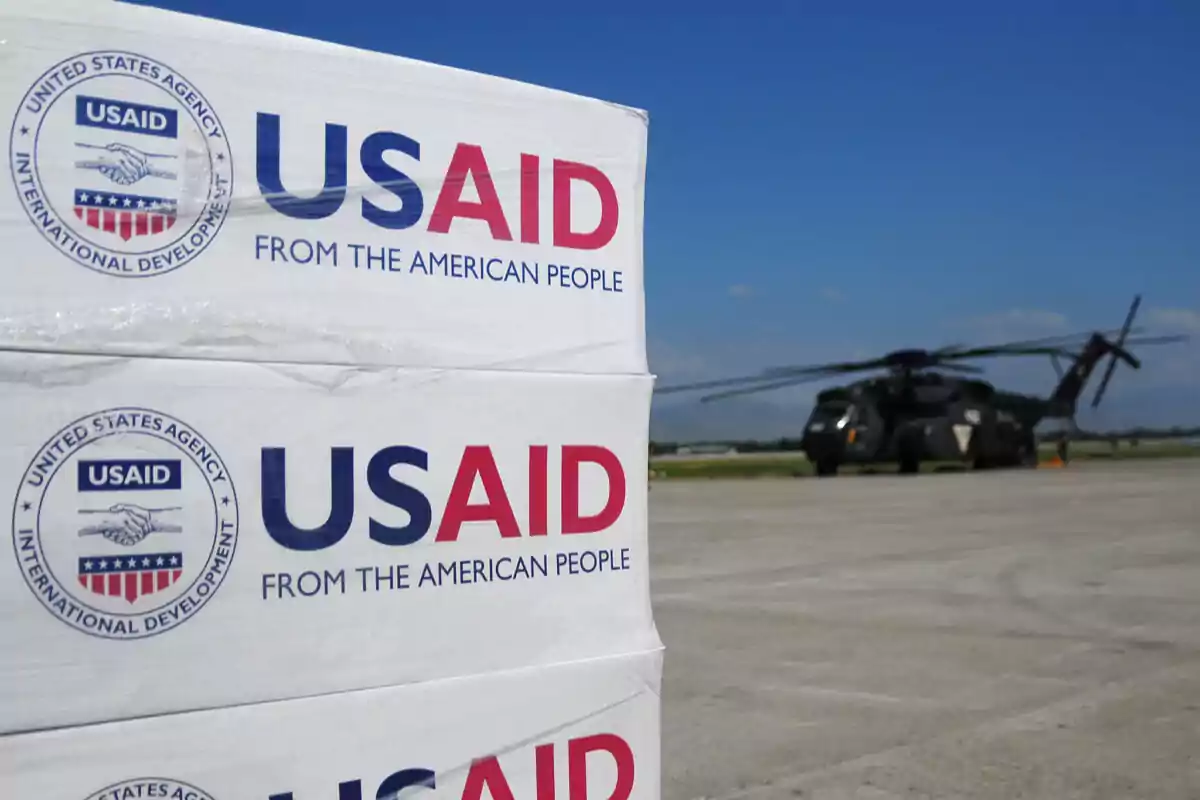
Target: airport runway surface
[{"x": 1023, "y": 634}]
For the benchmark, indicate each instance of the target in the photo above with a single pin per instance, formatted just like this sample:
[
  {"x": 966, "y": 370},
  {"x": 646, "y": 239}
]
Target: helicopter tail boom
[{"x": 1070, "y": 386}]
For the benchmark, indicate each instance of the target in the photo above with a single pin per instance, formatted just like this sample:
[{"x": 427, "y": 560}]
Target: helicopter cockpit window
[
  {"x": 833, "y": 411},
  {"x": 849, "y": 416},
  {"x": 838, "y": 413}
]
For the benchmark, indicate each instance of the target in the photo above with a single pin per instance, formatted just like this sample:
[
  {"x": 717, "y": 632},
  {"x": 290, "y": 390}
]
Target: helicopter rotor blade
[
  {"x": 689, "y": 387},
  {"x": 1112, "y": 361},
  {"x": 1046, "y": 345},
  {"x": 966, "y": 369},
  {"x": 1057, "y": 366},
  {"x": 767, "y": 375},
  {"x": 905, "y": 362},
  {"x": 1010, "y": 350},
  {"x": 765, "y": 387},
  {"x": 1179, "y": 337},
  {"x": 1064, "y": 339},
  {"x": 779, "y": 373},
  {"x": 833, "y": 368},
  {"x": 1052, "y": 345}
]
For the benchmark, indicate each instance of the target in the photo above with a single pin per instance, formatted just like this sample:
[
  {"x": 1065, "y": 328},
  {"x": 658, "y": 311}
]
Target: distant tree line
[
  {"x": 784, "y": 445},
  {"x": 1132, "y": 435},
  {"x": 788, "y": 444}
]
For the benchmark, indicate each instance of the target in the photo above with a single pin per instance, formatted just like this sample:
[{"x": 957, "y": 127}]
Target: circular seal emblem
[
  {"x": 148, "y": 788},
  {"x": 125, "y": 523},
  {"x": 121, "y": 163}
]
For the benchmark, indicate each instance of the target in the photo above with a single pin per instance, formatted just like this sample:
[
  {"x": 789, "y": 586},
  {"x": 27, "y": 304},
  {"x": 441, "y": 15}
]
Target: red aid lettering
[
  {"x": 543, "y": 756},
  {"x": 486, "y": 774},
  {"x": 539, "y": 490},
  {"x": 606, "y": 228},
  {"x": 572, "y": 457},
  {"x": 468, "y": 159},
  {"x": 577, "y": 753},
  {"x": 529, "y": 198},
  {"x": 477, "y": 460}
]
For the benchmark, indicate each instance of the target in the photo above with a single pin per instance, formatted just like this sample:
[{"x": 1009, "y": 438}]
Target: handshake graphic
[
  {"x": 123, "y": 164},
  {"x": 127, "y": 524}
]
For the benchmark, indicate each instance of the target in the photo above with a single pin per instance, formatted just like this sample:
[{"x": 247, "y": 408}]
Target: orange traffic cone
[{"x": 1059, "y": 459}]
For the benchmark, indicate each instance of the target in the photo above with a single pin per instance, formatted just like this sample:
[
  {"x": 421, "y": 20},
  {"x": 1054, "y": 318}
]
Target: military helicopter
[{"x": 925, "y": 407}]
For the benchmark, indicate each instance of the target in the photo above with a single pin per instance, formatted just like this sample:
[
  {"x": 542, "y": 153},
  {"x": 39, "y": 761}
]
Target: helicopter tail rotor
[
  {"x": 1117, "y": 350},
  {"x": 1087, "y": 357}
]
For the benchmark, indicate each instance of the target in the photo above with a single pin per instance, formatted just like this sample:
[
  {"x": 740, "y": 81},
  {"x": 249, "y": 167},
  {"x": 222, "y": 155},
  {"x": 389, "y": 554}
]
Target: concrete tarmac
[{"x": 1016, "y": 634}]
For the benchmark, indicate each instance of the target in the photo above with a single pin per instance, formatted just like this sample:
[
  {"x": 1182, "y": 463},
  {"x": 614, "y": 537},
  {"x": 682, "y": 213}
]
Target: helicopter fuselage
[
  {"x": 921, "y": 418},
  {"x": 925, "y": 408}
]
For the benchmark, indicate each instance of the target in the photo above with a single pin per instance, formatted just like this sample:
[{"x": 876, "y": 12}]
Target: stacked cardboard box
[{"x": 326, "y": 408}]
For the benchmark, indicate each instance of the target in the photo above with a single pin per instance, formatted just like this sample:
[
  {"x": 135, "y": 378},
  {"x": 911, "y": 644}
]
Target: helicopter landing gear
[
  {"x": 826, "y": 468},
  {"x": 978, "y": 457},
  {"x": 909, "y": 453},
  {"x": 1029, "y": 452}
]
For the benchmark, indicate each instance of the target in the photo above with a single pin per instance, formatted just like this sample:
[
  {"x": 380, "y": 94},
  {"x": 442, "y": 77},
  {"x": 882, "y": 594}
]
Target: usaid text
[
  {"x": 476, "y": 464},
  {"x": 390, "y": 475},
  {"x": 606, "y": 753},
  {"x": 468, "y": 165}
]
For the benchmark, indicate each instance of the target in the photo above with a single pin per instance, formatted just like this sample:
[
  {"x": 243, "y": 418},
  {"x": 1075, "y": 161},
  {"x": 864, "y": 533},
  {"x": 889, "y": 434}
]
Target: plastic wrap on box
[
  {"x": 190, "y": 534},
  {"x": 183, "y": 186},
  {"x": 586, "y": 731}
]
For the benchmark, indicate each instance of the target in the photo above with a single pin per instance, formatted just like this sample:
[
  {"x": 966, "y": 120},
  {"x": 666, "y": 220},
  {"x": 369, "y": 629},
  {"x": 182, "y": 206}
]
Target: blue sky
[{"x": 834, "y": 179}]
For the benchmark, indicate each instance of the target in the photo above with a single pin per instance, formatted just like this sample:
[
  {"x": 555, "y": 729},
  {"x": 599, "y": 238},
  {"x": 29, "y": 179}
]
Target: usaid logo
[
  {"x": 147, "y": 788},
  {"x": 121, "y": 163},
  {"x": 125, "y": 523}
]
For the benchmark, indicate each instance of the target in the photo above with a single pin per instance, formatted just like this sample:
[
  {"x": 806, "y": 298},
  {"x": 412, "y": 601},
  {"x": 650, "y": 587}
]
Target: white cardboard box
[
  {"x": 587, "y": 731},
  {"x": 177, "y": 543},
  {"x": 184, "y": 186}
]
